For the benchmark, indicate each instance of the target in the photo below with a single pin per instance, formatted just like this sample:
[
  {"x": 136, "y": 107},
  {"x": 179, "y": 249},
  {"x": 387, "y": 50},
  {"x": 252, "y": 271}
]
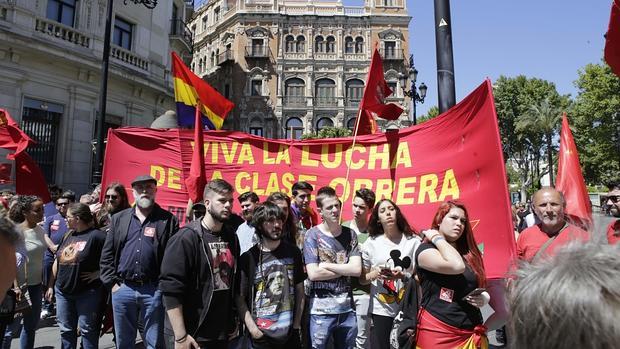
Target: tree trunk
[{"x": 550, "y": 159}]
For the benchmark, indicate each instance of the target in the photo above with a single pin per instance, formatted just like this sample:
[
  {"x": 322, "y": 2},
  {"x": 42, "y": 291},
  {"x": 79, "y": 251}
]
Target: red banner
[{"x": 454, "y": 156}]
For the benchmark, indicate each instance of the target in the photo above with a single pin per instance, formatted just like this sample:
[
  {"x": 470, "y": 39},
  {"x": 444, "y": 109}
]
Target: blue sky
[{"x": 547, "y": 39}]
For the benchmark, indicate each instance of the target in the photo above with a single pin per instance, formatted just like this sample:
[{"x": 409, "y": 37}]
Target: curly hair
[
  {"x": 23, "y": 203},
  {"x": 375, "y": 228}
]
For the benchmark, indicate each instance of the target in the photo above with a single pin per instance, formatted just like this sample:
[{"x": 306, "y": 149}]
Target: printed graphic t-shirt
[
  {"x": 276, "y": 274},
  {"x": 330, "y": 296},
  {"x": 79, "y": 253},
  {"x": 55, "y": 227}
]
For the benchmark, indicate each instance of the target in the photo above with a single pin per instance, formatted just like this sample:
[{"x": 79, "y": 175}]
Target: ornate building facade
[
  {"x": 294, "y": 67},
  {"x": 50, "y": 59}
]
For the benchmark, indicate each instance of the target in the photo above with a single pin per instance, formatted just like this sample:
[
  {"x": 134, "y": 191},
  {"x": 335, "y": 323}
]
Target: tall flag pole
[
  {"x": 189, "y": 90},
  {"x": 570, "y": 179},
  {"x": 197, "y": 179}
]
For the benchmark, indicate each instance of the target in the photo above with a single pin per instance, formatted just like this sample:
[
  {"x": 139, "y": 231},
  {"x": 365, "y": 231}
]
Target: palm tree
[{"x": 540, "y": 123}]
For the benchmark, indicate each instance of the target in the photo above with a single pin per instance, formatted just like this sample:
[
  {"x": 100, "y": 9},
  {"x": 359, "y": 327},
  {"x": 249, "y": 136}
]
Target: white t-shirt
[
  {"x": 34, "y": 242},
  {"x": 386, "y": 295}
]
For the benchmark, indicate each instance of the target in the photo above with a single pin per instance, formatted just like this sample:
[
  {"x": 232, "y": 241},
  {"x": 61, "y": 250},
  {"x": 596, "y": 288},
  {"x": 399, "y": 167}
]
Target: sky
[{"x": 547, "y": 39}]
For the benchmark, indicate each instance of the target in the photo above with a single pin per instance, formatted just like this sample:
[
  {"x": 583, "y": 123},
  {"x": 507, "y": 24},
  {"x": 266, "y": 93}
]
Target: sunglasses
[
  {"x": 62, "y": 204},
  {"x": 614, "y": 198},
  {"x": 111, "y": 197}
]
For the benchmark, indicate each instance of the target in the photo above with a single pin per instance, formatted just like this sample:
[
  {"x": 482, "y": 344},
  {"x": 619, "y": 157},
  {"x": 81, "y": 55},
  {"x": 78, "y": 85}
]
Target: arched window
[
  {"x": 355, "y": 90},
  {"x": 348, "y": 45},
  {"x": 294, "y": 92},
  {"x": 359, "y": 45},
  {"x": 331, "y": 44},
  {"x": 256, "y": 127},
  {"x": 290, "y": 43},
  {"x": 301, "y": 44},
  {"x": 324, "y": 122},
  {"x": 212, "y": 59},
  {"x": 319, "y": 44},
  {"x": 325, "y": 92},
  {"x": 351, "y": 124},
  {"x": 294, "y": 128}
]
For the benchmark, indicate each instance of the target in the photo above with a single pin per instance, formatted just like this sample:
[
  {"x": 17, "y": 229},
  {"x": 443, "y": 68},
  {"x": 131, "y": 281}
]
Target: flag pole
[{"x": 346, "y": 179}]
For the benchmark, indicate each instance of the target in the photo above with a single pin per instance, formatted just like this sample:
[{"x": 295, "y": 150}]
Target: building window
[
  {"x": 393, "y": 86},
  {"x": 256, "y": 87},
  {"x": 61, "y": 11},
  {"x": 257, "y": 131},
  {"x": 301, "y": 44},
  {"x": 122, "y": 33},
  {"x": 351, "y": 124},
  {"x": 389, "y": 3},
  {"x": 359, "y": 45},
  {"x": 349, "y": 46},
  {"x": 205, "y": 22},
  {"x": 258, "y": 48},
  {"x": 227, "y": 91},
  {"x": 41, "y": 121},
  {"x": 325, "y": 92},
  {"x": 212, "y": 59},
  {"x": 294, "y": 92},
  {"x": 355, "y": 91},
  {"x": 216, "y": 14},
  {"x": 294, "y": 128},
  {"x": 323, "y": 123},
  {"x": 390, "y": 49},
  {"x": 290, "y": 43},
  {"x": 319, "y": 44},
  {"x": 331, "y": 45}
]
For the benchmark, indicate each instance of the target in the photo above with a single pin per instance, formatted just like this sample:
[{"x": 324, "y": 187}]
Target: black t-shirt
[
  {"x": 220, "y": 251},
  {"x": 273, "y": 284},
  {"x": 442, "y": 295},
  {"x": 79, "y": 253}
]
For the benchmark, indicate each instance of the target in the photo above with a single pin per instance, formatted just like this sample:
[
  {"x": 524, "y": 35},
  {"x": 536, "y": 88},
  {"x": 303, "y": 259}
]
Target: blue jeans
[
  {"x": 31, "y": 320},
  {"x": 80, "y": 309},
  {"x": 129, "y": 302},
  {"x": 343, "y": 328}
]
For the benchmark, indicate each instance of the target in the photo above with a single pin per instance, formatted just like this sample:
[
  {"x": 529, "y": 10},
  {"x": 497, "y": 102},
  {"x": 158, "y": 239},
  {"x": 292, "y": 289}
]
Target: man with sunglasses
[
  {"x": 130, "y": 264},
  {"x": 55, "y": 228},
  {"x": 613, "y": 200}
]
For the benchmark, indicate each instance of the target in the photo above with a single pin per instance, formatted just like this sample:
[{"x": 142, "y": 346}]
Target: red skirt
[{"x": 436, "y": 334}]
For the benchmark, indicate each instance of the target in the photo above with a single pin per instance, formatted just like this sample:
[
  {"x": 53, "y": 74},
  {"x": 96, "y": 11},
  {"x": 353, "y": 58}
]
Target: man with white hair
[{"x": 131, "y": 261}]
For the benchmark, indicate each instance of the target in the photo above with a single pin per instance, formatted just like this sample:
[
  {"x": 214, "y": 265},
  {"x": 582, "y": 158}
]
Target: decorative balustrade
[
  {"x": 355, "y": 57},
  {"x": 325, "y": 101},
  {"x": 62, "y": 32},
  {"x": 128, "y": 57},
  {"x": 320, "y": 55},
  {"x": 225, "y": 57},
  {"x": 294, "y": 101}
]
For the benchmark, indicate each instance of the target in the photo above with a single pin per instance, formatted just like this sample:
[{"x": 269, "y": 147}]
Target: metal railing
[
  {"x": 392, "y": 54},
  {"x": 294, "y": 101},
  {"x": 353, "y": 102},
  {"x": 325, "y": 101},
  {"x": 178, "y": 28},
  {"x": 256, "y": 51}
]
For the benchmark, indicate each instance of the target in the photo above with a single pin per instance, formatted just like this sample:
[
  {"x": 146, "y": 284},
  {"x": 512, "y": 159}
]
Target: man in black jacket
[
  {"x": 198, "y": 274},
  {"x": 130, "y": 265}
]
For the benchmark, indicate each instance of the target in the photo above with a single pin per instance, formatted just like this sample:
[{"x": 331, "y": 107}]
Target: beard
[
  {"x": 270, "y": 238},
  {"x": 217, "y": 216},
  {"x": 144, "y": 201}
]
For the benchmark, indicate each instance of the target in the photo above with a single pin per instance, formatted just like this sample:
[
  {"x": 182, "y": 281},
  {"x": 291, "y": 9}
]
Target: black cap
[{"x": 143, "y": 178}]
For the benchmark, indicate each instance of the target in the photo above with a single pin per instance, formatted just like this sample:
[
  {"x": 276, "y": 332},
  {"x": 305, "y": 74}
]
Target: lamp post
[
  {"x": 103, "y": 95},
  {"x": 412, "y": 75}
]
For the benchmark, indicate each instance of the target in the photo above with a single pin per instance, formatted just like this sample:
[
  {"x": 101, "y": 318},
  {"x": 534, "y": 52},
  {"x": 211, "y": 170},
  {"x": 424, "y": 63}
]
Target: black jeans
[{"x": 381, "y": 328}]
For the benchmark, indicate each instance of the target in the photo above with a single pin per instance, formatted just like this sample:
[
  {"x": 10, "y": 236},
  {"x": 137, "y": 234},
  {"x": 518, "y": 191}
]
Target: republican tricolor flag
[{"x": 190, "y": 90}]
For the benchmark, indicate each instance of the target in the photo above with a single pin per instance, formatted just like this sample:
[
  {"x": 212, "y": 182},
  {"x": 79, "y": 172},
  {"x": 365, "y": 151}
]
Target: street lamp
[
  {"x": 103, "y": 94},
  {"x": 412, "y": 75}
]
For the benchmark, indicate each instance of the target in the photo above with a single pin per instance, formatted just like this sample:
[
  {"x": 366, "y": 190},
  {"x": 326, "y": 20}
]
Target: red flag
[
  {"x": 612, "y": 39},
  {"x": 11, "y": 136},
  {"x": 29, "y": 179},
  {"x": 373, "y": 103},
  {"x": 570, "y": 179},
  {"x": 197, "y": 178}
]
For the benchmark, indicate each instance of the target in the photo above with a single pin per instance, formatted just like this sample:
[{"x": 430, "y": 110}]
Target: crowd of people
[{"x": 285, "y": 275}]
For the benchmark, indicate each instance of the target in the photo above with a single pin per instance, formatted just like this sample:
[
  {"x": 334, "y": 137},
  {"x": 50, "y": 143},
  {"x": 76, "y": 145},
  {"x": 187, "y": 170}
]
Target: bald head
[{"x": 549, "y": 207}]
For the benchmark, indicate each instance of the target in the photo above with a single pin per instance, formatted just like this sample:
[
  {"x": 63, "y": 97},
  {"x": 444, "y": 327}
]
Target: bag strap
[{"x": 544, "y": 247}]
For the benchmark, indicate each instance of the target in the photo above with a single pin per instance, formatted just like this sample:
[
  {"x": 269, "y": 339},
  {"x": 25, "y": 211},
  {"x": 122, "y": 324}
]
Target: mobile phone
[
  {"x": 476, "y": 292},
  {"x": 386, "y": 271}
]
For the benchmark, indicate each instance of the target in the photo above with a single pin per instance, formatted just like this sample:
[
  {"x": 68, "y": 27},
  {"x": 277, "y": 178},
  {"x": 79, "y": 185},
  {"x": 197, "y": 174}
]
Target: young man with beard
[
  {"x": 305, "y": 216},
  {"x": 363, "y": 202},
  {"x": 245, "y": 232},
  {"x": 272, "y": 292},
  {"x": 332, "y": 256},
  {"x": 130, "y": 264},
  {"x": 198, "y": 273}
]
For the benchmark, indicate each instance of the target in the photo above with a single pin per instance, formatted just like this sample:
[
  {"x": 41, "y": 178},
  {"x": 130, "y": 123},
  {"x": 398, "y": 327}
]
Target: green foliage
[
  {"x": 328, "y": 132},
  {"x": 595, "y": 122},
  {"x": 431, "y": 113}
]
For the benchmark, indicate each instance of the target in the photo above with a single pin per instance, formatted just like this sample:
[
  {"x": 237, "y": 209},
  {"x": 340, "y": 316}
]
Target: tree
[
  {"x": 328, "y": 132},
  {"x": 431, "y": 113},
  {"x": 514, "y": 97},
  {"x": 595, "y": 119}
]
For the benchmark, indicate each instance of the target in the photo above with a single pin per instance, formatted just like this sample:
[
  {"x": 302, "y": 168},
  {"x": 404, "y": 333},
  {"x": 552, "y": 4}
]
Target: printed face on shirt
[
  {"x": 144, "y": 193},
  {"x": 330, "y": 209},
  {"x": 219, "y": 206},
  {"x": 62, "y": 205},
  {"x": 302, "y": 199},
  {"x": 247, "y": 209},
  {"x": 453, "y": 224},
  {"x": 359, "y": 208},
  {"x": 549, "y": 208}
]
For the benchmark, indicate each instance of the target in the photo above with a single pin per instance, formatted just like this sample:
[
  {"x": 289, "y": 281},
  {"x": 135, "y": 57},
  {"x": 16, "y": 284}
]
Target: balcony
[
  {"x": 62, "y": 32},
  {"x": 129, "y": 58},
  {"x": 353, "y": 102},
  {"x": 261, "y": 51},
  {"x": 180, "y": 31},
  {"x": 392, "y": 54},
  {"x": 325, "y": 101},
  {"x": 295, "y": 101},
  {"x": 226, "y": 56}
]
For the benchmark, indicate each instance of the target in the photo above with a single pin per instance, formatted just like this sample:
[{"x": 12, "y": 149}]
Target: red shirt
[
  {"x": 532, "y": 239},
  {"x": 613, "y": 232}
]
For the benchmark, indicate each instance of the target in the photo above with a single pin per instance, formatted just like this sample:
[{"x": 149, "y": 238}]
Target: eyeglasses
[
  {"x": 62, "y": 203},
  {"x": 111, "y": 197},
  {"x": 613, "y": 198}
]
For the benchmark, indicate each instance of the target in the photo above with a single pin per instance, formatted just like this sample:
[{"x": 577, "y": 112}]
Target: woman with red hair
[{"x": 451, "y": 274}]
